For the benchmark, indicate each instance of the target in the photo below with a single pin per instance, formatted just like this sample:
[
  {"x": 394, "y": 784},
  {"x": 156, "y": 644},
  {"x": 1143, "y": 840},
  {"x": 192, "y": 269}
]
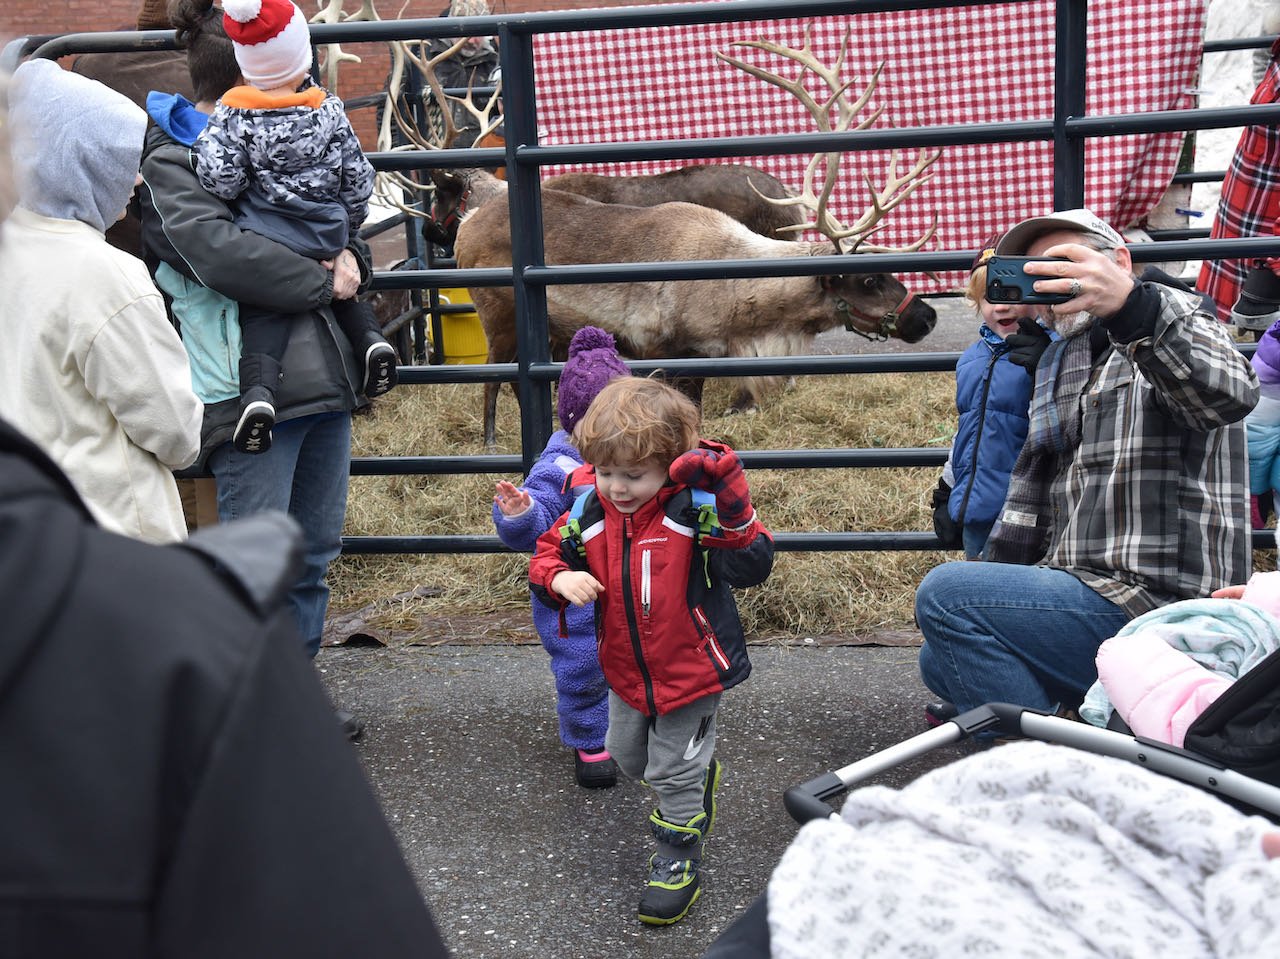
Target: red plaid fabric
[
  {"x": 960, "y": 65},
  {"x": 1249, "y": 204}
]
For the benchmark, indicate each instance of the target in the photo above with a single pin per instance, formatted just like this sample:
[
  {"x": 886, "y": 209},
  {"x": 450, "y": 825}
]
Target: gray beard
[{"x": 1072, "y": 323}]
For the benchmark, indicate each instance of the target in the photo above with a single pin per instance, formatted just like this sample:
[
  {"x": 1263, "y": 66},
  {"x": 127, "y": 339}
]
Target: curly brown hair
[{"x": 637, "y": 420}]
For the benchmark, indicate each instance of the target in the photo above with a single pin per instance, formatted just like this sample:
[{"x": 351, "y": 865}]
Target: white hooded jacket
[{"x": 90, "y": 367}]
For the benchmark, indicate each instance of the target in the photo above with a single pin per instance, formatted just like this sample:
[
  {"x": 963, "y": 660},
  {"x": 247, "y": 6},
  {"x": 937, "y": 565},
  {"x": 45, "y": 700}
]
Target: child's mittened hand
[
  {"x": 511, "y": 500},
  {"x": 1028, "y": 345},
  {"x": 719, "y": 472},
  {"x": 576, "y": 586},
  {"x": 705, "y": 468}
]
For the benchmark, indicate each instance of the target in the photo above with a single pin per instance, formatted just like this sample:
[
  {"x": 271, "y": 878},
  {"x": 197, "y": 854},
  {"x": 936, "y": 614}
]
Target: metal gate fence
[{"x": 1068, "y": 129}]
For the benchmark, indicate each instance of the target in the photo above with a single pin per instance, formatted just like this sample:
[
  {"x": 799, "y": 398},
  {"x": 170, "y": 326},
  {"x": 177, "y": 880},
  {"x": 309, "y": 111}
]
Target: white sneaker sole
[{"x": 253, "y": 431}]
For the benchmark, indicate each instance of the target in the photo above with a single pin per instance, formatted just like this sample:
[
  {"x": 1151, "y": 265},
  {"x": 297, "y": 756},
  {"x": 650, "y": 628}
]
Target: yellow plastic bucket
[{"x": 462, "y": 333}]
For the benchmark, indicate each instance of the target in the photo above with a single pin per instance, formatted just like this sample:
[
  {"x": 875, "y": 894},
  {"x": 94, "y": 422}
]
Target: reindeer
[
  {"x": 743, "y": 192},
  {"x": 773, "y": 316}
]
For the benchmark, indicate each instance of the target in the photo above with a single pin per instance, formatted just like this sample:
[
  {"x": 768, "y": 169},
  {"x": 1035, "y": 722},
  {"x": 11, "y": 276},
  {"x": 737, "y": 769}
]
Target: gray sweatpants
[{"x": 669, "y": 752}]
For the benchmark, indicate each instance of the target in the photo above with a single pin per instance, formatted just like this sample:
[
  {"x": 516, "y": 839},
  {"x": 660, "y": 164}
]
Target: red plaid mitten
[{"x": 717, "y": 469}]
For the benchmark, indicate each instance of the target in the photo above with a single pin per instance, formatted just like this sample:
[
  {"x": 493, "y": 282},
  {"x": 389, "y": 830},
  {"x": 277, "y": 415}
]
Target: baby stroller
[{"x": 1103, "y": 848}]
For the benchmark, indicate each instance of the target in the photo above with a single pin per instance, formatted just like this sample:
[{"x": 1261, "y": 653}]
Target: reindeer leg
[
  {"x": 491, "y": 417},
  {"x": 690, "y": 386},
  {"x": 743, "y": 401},
  {"x": 502, "y": 349}
]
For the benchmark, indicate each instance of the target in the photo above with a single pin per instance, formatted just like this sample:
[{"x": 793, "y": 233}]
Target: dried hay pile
[{"x": 808, "y": 595}]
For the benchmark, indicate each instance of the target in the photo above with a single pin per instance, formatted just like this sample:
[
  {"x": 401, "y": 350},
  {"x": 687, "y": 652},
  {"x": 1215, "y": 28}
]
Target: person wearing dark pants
[{"x": 208, "y": 265}]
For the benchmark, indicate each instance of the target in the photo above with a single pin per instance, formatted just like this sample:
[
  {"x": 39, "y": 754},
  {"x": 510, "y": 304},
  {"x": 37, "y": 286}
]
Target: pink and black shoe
[{"x": 594, "y": 770}]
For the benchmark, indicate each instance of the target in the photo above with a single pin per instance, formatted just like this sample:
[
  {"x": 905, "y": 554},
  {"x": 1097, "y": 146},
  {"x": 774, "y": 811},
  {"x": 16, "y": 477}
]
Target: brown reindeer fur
[
  {"x": 727, "y": 187},
  {"x": 775, "y": 316}
]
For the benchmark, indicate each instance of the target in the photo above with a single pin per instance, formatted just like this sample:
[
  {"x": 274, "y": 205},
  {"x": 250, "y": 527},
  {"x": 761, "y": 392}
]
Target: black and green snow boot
[{"x": 673, "y": 870}]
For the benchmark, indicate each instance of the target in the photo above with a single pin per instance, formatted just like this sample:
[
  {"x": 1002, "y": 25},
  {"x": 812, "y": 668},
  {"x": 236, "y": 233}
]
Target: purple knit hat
[{"x": 593, "y": 362}]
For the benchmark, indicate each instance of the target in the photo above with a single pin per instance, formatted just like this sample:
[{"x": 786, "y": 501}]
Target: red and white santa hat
[{"x": 271, "y": 40}]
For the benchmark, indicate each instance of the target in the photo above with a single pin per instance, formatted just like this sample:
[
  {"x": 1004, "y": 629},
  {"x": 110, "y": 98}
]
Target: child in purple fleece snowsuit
[
  {"x": 1262, "y": 425},
  {"x": 523, "y": 514}
]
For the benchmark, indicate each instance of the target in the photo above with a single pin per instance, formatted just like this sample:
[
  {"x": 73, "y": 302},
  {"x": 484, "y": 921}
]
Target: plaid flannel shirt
[{"x": 1151, "y": 507}]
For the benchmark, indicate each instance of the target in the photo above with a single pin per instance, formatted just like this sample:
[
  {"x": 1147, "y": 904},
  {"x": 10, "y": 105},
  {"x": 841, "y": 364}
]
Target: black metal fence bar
[{"x": 785, "y": 542}]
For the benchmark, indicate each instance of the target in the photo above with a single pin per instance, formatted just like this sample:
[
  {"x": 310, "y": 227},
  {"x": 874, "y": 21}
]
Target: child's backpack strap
[
  {"x": 704, "y": 504},
  {"x": 572, "y": 529}
]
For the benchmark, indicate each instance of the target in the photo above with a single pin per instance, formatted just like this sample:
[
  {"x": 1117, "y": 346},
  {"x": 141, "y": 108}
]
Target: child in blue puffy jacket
[
  {"x": 993, "y": 394},
  {"x": 522, "y": 514}
]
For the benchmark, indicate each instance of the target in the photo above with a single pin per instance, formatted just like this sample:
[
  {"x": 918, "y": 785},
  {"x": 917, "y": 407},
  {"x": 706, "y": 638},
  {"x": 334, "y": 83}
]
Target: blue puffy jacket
[{"x": 992, "y": 397}]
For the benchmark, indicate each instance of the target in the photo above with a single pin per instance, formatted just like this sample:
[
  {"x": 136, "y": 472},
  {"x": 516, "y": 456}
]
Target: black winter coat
[{"x": 173, "y": 780}]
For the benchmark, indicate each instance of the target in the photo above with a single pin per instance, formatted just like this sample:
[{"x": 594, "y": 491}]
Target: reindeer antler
[
  {"x": 335, "y": 56},
  {"x": 894, "y": 192},
  {"x": 484, "y": 116},
  {"x": 847, "y": 111},
  {"x": 403, "y": 52}
]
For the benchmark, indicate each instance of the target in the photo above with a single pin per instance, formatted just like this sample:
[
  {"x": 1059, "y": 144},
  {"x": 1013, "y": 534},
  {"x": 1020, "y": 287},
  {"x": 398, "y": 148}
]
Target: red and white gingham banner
[{"x": 961, "y": 65}]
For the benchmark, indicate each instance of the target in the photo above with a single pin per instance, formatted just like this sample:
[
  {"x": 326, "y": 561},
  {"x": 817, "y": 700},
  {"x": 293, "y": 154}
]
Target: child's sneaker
[
  {"x": 673, "y": 884},
  {"x": 379, "y": 369},
  {"x": 257, "y": 417},
  {"x": 594, "y": 770}
]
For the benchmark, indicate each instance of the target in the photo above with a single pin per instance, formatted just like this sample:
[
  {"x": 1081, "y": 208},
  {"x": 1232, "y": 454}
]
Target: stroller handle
[{"x": 808, "y": 801}]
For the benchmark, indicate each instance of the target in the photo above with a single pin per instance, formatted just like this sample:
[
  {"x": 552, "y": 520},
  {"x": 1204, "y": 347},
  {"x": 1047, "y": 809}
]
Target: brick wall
[{"x": 31, "y": 17}]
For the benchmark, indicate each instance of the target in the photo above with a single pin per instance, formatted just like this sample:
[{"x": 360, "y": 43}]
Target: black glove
[
  {"x": 1028, "y": 344},
  {"x": 1259, "y": 303},
  {"x": 944, "y": 527}
]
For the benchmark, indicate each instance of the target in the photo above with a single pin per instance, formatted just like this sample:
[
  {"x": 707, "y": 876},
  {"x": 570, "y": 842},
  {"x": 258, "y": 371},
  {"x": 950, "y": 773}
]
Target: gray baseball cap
[{"x": 1020, "y": 237}]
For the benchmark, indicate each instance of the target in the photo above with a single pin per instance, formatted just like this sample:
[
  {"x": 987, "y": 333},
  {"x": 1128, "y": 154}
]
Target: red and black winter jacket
[{"x": 667, "y": 625}]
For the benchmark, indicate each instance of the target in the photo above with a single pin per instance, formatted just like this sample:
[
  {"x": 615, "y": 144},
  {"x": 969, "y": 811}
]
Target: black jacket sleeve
[{"x": 747, "y": 565}]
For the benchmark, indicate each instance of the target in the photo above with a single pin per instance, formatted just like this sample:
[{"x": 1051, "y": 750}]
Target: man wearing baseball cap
[{"x": 1130, "y": 492}]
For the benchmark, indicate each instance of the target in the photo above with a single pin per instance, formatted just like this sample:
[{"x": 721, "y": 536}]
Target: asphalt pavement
[{"x": 517, "y": 861}]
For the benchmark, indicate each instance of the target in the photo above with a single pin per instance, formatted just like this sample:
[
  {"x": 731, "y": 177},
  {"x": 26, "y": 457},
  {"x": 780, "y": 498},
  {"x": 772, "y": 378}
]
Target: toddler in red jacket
[{"x": 657, "y": 544}]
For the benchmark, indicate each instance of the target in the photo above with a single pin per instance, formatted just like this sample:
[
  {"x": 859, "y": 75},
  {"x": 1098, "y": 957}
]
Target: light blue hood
[{"x": 76, "y": 144}]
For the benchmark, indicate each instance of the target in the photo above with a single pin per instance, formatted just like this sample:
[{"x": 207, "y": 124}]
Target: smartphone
[{"x": 1007, "y": 282}]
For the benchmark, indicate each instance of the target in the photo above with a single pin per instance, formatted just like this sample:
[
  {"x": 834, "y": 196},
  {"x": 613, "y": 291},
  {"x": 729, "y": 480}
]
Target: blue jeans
[
  {"x": 994, "y": 632},
  {"x": 305, "y": 475},
  {"x": 974, "y": 538}
]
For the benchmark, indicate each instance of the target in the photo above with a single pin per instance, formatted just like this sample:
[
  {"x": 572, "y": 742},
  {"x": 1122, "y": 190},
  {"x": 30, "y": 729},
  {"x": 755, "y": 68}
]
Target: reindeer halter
[{"x": 887, "y": 323}]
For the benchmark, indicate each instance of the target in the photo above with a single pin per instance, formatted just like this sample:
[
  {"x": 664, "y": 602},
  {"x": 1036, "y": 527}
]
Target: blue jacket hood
[{"x": 176, "y": 116}]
